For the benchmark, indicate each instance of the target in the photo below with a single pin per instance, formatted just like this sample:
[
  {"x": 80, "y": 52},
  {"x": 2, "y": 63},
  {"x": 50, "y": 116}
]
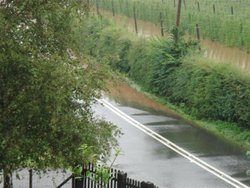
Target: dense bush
[
  {"x": 106, "y": 43},
  {"x": 203, "y": 89}
]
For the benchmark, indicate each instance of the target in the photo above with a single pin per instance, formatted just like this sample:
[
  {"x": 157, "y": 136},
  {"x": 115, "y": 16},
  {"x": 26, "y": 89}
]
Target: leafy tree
[{"x": 43, "y": 124}]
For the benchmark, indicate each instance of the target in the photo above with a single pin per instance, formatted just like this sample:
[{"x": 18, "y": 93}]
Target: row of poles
[
  {"x": 199, "y": 7},
  {"x": 178, "y": 16}
]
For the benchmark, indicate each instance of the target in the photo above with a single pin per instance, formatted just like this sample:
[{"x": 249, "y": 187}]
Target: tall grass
[{"x": 228, "y": 24}]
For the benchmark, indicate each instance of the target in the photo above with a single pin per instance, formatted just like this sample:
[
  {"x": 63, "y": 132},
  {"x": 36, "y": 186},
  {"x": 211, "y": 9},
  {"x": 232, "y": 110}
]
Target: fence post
[
  {"x": 113, "y": 8},
  {"x": 184, "y": 3},
  {"x": 214, "y": 8},
  {"x": 121, "y": 180},
  {"x": 198, "y": 32},
  {"x": 241, "y": 33},
  {"x": 73, "y": 181},
  {"x": 232, "y": 10},
  {"x": 97, "y": 8},
  {"x": 78, "y": 182},
  {"x": 147, "y": 185},
  {"x": 162, "y": 29},
  {"x": 30, "y": 178},
  {"x": 174, "y": 4},
  {"x": 198, "y": 6},
  {"x": 136, "y": 28}
]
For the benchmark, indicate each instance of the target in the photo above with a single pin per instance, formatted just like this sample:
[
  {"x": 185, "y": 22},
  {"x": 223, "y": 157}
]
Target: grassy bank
[
  {"x": 214, "y": 95},
  {"x": 230, "y": 132}
]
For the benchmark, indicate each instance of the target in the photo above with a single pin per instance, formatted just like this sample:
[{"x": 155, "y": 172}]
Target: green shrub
[{"x": 202, "y": 88}]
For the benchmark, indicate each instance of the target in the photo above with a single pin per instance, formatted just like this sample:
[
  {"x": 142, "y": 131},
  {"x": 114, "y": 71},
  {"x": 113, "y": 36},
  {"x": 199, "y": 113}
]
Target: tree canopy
[{"x": 42, "y": 123}]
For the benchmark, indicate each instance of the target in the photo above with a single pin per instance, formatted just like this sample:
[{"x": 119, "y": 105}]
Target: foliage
[
  {"x": 45, "y": 93},
  {"x": 202, "y": 88},
  {"x": 106, "y": 43},
  {"x": 231, "y": 27},
  {"x": 102, "y": 173}
]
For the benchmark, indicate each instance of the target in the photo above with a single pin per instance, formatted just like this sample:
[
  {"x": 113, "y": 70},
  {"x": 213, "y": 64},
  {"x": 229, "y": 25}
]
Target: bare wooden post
[
  {"x": 184, "y": 3},
  {"x": 97, "y": 8},
  {"x": 121, "y": 180},
  {"x": 178, "y": 14},
  {"x": 241, "y": 28},
  {"x": 176, "y": 29},
  {"x": 241, "y": 33},
  {"x": 198, "y": 6},
  {"x": 134, "y": 10},
  {"x": 30, "y": 178},
  {"x": 214, "y": 8},
  {"x": 174, "y": 4},
  {"x": 232, "y": 10},
  {"x": 113, "y": 8},
  {"x": 198, "y": 32},
  {"x": 161, "y": 22},
  {"x": 147, "y": 185},
  {"x": 88, "y": 8}
]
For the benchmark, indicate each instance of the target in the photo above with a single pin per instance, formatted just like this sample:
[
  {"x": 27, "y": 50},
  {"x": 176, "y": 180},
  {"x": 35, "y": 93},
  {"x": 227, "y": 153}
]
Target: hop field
[{"x": 225, "y": 21}]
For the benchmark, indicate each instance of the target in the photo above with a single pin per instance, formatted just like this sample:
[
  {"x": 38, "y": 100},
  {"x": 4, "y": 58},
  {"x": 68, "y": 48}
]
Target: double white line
[{"x": 174, "y": 147}]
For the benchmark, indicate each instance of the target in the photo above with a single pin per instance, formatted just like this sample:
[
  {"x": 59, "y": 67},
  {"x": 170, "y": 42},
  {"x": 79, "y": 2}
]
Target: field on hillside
[{"x": 226, "y": 21}]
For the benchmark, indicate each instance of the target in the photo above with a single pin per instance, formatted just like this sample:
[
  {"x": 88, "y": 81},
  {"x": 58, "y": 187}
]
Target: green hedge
[{"x": 203, "y": 89}]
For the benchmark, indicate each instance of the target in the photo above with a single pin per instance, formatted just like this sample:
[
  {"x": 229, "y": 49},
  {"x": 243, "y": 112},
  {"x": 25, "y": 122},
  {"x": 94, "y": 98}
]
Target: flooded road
[{"x": 146, "y": 159}]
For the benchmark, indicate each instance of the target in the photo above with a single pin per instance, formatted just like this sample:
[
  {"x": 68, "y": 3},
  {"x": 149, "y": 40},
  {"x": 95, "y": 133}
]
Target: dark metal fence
[{"x": 117, "y": 179}]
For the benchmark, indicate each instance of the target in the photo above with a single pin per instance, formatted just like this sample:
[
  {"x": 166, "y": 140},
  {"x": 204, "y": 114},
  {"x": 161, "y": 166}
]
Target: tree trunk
[{"x": 7, "y": 178}]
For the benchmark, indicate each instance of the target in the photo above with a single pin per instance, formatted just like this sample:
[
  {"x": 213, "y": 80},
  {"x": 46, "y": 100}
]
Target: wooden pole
[
  {"x": 113, "y": 8},
  {"x": 161, "y": 22},
  {"x": 198, "y": 32},
  {"x": 198, "y": 6},
  {"x": 97, "y": 8},
  {"x": 232, "y": 10},
  {"x": 178, "y": 16},
  {"x": 136, "y": 28},
  {"x": 184, "y": 3},
  {"x": 214, "y": 8}
]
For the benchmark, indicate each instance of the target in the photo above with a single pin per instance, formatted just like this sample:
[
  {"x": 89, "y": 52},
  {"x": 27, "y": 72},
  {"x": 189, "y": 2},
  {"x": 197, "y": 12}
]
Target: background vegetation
[
  {"x": 201, "y": 88},
  {"x": 226, "y": 21}
]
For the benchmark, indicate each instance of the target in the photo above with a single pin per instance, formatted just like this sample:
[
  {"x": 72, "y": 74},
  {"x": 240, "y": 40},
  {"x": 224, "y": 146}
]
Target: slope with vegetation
[{"x": 214, "y": 93}]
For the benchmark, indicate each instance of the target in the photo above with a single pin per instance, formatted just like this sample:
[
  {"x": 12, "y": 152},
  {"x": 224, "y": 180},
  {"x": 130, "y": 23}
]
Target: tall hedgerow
[{"x": 204, "y": 89}]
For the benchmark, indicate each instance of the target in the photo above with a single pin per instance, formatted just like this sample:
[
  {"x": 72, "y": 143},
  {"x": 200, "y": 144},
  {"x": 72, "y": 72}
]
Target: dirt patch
[{"x": 123, "y": 92}]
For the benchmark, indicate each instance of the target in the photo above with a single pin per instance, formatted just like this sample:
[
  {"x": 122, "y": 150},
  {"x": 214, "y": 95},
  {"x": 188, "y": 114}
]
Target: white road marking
[{"x": 174, "y": 147}]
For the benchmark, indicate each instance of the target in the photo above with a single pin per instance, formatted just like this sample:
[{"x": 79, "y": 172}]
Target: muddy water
[
  {"x": 146, "y": 159},
  {"x": 212, "y": 50}
]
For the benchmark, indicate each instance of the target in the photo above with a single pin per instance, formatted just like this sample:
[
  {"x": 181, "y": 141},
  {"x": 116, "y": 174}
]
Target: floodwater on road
[{"x": 144, "y": 158}]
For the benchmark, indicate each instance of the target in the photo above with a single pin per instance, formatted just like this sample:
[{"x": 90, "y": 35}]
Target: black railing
[{"x": 117, "y": 179}]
